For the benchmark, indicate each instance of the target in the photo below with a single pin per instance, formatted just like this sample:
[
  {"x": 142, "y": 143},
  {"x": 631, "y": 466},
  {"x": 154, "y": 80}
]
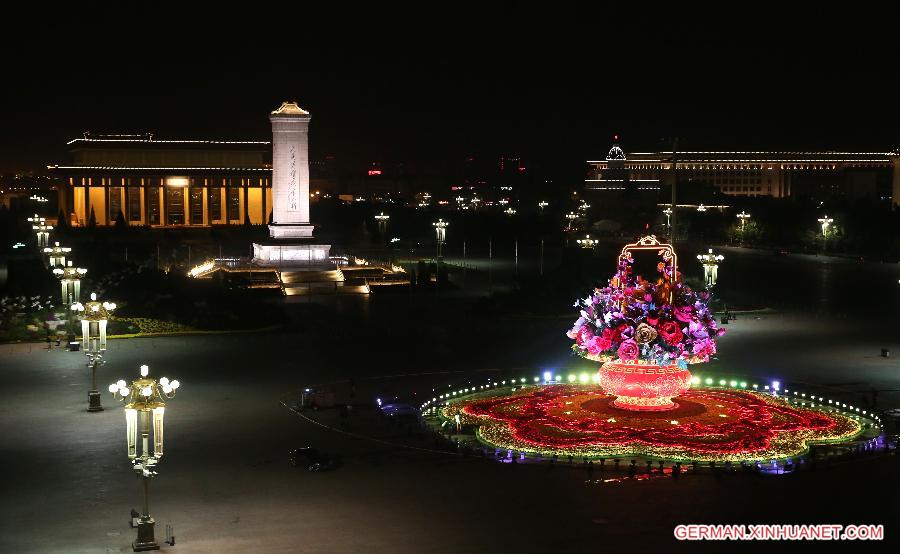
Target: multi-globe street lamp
[
  {"x": 382, "y": 220},
  {"x": 70, "y": 281},
  {"x": 41, "y": 229},
  {"x": 710, "y": 262},
  {"x": 145, "y": 401},
  {"x": 543, "y": 204},
  {"x": 440, "y": 232},
  {"x": 587, "y": 242},
  {"x": 701, "y": 208},
  {"x": 57, "y": 255},
  {"x": 668, "y": 213},
  {"x": 826, "y": 223},
  {"x": 510, "y": 211},
  {"x": 743, "y": 216},
  {"x": 94, "y": 318}
]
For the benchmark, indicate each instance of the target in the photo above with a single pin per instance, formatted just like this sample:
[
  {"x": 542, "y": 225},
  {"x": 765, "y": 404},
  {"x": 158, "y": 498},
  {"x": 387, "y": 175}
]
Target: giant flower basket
[{"x": 645, "y": 331}]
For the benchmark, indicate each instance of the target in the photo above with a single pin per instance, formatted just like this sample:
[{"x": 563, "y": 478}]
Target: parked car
[{"x": 312, "y": 459}]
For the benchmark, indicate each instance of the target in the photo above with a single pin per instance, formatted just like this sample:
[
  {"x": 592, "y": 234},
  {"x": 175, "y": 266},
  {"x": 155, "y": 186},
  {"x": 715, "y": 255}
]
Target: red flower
[
  {"x": 597, "y": 345},
  {"x": 624, "y": 331},
  {"x": 670, "y": 332},
  {"x": 684, "y": 313}
]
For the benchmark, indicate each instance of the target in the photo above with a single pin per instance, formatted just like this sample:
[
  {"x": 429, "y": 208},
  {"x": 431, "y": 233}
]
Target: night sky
[{"x": 431, "y": 85}]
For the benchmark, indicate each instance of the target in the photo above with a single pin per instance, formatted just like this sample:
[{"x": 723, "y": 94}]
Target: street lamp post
[
  {"x": 440, "y": 232},
  {"x": 41, "y": 229},
  {"x": 571, "y": 216},
  {"x": 825, "y": 222},
  {"x": 70, "y": 283},
  {"x": 70, "y": 280},
  {"x": 710, "y": 262},
  {"x": 145, "y": 400},
  {"x": 382, "y": 220},
  {"x": 95, "y": 316},
  {"x": 743, "y": 216},
  {"x": 668, "y": 214},
  {"x": 57, "y": 255},
  {"x": 587, "y": 242}
]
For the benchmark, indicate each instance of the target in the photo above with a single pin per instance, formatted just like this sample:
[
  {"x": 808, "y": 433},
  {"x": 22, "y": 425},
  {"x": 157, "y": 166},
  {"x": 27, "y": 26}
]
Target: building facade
[
  {"x": 779, "y": 174},
  {"x": 165, "y": 183}
]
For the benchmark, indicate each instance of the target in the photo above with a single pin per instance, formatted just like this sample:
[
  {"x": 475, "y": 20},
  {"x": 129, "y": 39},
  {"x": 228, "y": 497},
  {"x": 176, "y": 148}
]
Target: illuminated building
[
  {"x": 166, "y": 183},
  {"x": 778, "y": 174}
]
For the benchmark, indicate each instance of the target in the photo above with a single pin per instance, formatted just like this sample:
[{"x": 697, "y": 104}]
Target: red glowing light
[
  {"x": 374, "y": 172},
  {"x": 644, "y": 387},
  {"x": 707, "y": 424}
]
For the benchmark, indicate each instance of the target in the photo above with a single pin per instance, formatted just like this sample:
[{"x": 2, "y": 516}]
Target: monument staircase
[{"x": 305, "y": 282}]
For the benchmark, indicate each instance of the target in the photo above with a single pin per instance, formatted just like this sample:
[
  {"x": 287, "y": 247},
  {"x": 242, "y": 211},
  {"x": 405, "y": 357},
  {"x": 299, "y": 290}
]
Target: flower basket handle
[{"x": 649, "y": 242}]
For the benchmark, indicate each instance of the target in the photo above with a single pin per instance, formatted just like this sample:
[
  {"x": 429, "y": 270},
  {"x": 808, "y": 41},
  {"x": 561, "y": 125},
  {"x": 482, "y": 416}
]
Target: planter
[{"x": 644, "y": 386}]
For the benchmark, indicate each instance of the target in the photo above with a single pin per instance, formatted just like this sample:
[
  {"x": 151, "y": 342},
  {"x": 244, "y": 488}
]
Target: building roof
[
  {"x": 751, "y": 157},
  {"x": 147, "y": 141},
  {"x": 161, "y": 170},
  {"x": 615, "y": 153},
  {"x": 290, "y": 108}
]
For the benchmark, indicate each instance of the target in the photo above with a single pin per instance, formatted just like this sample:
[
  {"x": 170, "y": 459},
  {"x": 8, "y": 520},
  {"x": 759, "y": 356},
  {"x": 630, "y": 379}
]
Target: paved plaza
[{"x": 226, "y": 486}]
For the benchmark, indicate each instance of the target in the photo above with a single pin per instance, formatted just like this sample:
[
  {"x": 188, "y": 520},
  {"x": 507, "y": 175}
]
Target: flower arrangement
[{"x": 632, "y": 319}]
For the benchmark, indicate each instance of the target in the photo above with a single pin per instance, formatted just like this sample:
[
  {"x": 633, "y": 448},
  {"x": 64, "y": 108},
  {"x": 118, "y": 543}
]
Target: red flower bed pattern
[{"x": 709, "y": 424}]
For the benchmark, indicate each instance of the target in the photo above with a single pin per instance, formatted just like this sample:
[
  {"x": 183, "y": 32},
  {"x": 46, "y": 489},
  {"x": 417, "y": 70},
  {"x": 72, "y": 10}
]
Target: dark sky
[{"x": 432, "y": 84}]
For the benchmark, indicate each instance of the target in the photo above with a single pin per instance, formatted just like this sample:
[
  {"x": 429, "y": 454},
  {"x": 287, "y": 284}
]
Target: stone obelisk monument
[{"x": 291, "y": 231}]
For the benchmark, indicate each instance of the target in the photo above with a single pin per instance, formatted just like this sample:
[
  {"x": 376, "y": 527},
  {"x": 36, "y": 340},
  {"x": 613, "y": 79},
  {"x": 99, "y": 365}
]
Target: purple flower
[{"x": 697, "y": 330}]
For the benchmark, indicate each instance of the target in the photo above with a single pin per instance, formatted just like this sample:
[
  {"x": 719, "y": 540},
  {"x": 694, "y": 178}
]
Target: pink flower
[
  {"x": 704, "y": 348},
  {"x": 583, "y": 335},
  {"x": 628, "y": 350},
  {"x": 597, "y": 345}
]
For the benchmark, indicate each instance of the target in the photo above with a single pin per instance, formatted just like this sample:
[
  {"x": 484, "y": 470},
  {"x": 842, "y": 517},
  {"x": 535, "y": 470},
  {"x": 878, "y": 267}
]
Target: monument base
[
  {"x": 290, "y": 231},
  {"x": 291, "y": 254}
]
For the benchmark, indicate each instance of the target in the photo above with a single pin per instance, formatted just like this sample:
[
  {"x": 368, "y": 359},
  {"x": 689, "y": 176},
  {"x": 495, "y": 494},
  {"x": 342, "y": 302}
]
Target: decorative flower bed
[
  {"x": 28, "y": 318},
  {"x": 145, "y": 326},
  {"x": 708, "y": 424}
]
